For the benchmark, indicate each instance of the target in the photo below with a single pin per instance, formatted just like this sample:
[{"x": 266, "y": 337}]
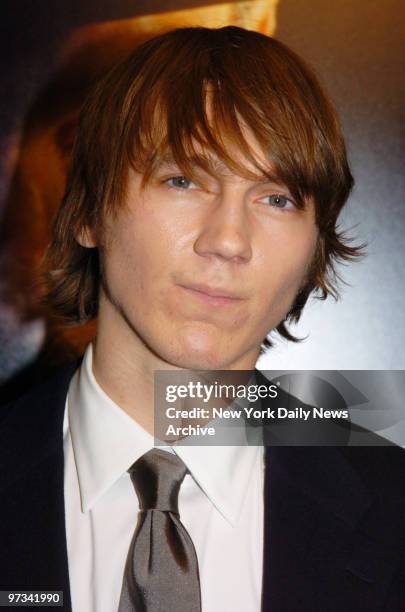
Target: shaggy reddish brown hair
[{"x": 155, "y": 103}]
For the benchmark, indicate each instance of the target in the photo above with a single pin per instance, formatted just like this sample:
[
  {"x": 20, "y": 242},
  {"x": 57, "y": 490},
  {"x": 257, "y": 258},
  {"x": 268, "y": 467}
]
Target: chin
[
  {"x": 197, "y": 353},
  {"x": 199, "y": 362}
]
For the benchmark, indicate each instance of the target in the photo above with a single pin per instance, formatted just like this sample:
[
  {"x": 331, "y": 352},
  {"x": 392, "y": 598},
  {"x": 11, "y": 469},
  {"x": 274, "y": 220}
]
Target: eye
[
  {"x": 278, "y": 200},
  {"x": 180, "y": 182}
]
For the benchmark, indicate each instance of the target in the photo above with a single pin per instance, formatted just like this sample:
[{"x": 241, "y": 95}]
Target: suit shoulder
[
  {"x": 380, "y": 467},
  {"x": 31, "y": 428},
  {"x": 40, "y": 398}
]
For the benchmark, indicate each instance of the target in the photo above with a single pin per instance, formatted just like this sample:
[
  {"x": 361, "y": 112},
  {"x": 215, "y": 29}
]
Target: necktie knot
[{"x": 157, "y": 477}]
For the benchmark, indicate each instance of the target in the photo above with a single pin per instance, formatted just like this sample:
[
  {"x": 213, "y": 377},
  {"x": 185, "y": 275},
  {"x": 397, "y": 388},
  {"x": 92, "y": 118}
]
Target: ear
[{"x": 86, "y": 237}]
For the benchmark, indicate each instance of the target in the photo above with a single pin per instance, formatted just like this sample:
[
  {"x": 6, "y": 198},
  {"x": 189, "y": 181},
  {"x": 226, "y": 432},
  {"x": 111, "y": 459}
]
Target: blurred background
[{"x": 51, "y": 54}]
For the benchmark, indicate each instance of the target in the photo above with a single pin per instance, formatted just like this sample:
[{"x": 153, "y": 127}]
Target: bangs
[
  {"x": 214, "y": 137},
  {"x": 227, "y": 95},
  {"x": 209, "y": 101}
]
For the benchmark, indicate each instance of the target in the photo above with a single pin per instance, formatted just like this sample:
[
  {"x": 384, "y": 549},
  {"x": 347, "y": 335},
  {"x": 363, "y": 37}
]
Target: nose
[{"x": 224, "y": 233}]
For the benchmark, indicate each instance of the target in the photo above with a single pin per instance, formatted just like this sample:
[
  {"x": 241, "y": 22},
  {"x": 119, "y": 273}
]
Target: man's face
[{"x": 198, "y": 272}]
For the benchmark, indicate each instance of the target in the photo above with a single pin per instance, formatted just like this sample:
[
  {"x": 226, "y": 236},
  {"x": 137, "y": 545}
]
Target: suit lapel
[
  {"x": 32, "y": 526},
  {"x": 316, "y": 555}
]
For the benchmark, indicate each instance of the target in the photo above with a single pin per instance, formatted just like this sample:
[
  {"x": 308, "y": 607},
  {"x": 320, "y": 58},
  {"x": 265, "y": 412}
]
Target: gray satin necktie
[{"x": 161, "y": 572}]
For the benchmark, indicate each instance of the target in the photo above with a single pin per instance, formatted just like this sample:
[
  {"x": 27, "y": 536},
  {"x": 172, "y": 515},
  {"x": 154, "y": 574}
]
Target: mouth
[{"x": 213, "y": 296}]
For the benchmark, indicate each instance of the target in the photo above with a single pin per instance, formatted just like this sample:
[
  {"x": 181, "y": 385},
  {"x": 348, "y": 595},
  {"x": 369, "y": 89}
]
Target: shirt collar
[
  {"x": 106, "y": 441},
  {"x": 223, "y": 473}
]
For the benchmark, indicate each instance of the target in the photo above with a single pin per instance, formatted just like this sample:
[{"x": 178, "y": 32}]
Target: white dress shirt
[{"x": 220, "y": 504}]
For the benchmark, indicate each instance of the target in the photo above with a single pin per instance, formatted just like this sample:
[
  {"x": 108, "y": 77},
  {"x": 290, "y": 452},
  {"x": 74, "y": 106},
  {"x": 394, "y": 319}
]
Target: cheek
[
  {"x": 124, "y": 262},
  {"x": 141, "y": 255},
  {"x": 285, "y": 266}
]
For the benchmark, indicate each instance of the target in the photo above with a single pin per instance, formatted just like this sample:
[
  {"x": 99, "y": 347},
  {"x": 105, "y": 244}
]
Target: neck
[{"x": 128, "y": 380}]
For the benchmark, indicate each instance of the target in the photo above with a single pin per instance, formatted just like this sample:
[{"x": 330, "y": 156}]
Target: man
[{"x": 208, "y": 174}]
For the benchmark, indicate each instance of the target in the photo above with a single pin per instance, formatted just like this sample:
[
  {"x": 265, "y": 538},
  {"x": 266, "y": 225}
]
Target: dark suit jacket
[{"x": 334, "y": 517}]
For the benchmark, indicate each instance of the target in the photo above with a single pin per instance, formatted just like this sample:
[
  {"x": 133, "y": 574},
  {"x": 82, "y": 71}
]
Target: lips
[
  {"x": 213, "y": 291},
  {"x": 216, "y": 296}
]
